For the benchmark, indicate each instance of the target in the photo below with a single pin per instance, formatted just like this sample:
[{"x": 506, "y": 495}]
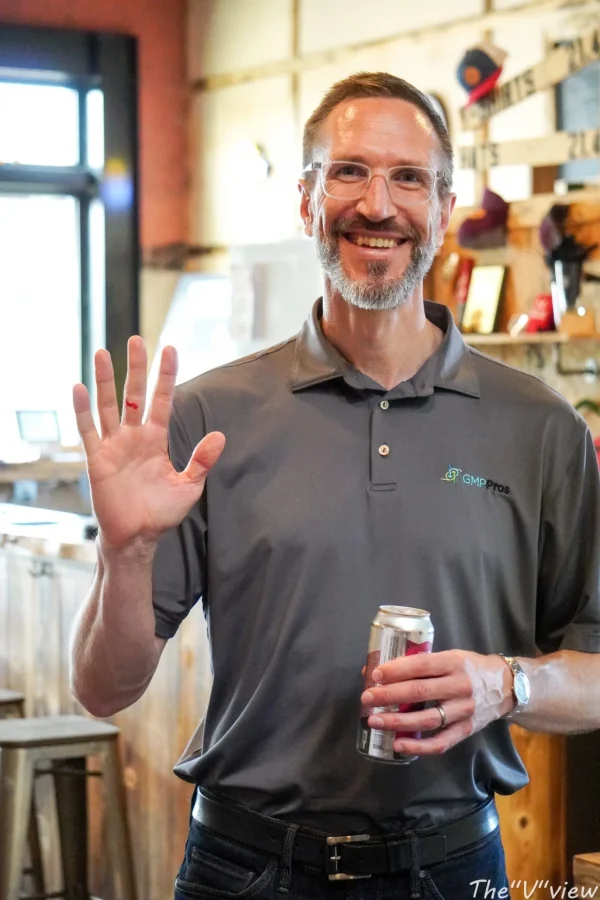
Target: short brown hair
[{"x": 379, "y": 84}]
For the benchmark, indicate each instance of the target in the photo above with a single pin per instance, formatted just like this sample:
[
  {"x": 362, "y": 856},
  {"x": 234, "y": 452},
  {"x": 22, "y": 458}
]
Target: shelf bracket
[{"x": 591, "y": 366}]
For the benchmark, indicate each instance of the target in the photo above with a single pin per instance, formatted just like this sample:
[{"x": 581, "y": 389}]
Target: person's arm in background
[{"x": 137, "y": 496}]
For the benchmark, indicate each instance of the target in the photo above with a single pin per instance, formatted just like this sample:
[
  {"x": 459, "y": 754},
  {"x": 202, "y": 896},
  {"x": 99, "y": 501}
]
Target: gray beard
[{"x": 376, "y": 291}]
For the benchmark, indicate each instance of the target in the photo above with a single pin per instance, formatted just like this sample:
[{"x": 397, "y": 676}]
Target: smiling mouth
[{"x": 375, "y": 243}]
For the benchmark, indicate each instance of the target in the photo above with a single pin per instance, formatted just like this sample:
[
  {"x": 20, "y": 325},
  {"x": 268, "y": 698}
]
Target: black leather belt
[{"x": 343, "y": 857}]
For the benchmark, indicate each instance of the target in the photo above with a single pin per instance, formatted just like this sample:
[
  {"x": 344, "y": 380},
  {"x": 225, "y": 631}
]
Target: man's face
[{"x": 380, "y": 133}]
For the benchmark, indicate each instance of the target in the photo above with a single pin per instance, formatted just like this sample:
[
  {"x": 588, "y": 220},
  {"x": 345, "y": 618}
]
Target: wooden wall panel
[{"x": 533, "y": 819}]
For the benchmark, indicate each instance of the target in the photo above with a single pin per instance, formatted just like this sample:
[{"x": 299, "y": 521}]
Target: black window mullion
[
  {"x": 48, "y": 179},
  {"x": 87, "y": 367},
  {"x": 117, "y": 66}
]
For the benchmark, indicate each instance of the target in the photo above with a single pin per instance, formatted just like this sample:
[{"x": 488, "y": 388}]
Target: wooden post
[{"x": 482, "y": 133}]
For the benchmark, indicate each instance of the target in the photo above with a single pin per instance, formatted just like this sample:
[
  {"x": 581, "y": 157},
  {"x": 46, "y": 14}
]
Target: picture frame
[{"x": 483, "y": 299}]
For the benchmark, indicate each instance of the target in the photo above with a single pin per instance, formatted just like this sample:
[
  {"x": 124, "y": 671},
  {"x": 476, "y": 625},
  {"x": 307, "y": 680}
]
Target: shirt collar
[{"x": 316, "y": 360}]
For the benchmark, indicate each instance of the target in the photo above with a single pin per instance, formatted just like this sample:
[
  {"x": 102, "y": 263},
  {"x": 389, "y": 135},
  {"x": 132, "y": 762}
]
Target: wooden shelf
[{"x": 544, "y": 337}]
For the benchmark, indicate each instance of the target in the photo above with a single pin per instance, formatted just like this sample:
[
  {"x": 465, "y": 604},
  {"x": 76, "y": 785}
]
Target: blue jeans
[{"x": 216, "y": 868}]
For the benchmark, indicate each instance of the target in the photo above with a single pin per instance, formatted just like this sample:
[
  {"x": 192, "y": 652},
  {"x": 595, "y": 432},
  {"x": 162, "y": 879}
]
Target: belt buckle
[{"x": 336, "y": 875}]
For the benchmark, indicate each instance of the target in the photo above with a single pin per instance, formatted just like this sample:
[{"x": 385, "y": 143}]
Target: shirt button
[
  {"x": 384, "y": 404},
  {"x": 384, "y": 450}
]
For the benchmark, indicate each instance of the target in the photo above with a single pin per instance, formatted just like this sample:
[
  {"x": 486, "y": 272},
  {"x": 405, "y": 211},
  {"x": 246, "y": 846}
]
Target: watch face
[{"x": 521, "y": 687}]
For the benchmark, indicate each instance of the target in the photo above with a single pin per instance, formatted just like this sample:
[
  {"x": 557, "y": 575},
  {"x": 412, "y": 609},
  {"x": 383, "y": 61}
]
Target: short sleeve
[
  {"x": 568, "y": 602},
  {"x": 180, "y": 559}
]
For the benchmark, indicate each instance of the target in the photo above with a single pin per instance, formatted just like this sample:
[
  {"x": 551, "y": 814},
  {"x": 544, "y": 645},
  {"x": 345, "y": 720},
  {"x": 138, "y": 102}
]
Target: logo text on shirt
[{"x": 454, "y": 476}]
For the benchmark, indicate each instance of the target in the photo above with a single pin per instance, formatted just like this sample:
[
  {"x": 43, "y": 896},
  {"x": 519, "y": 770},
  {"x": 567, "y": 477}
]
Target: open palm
[{"x": 136, "y": 492}]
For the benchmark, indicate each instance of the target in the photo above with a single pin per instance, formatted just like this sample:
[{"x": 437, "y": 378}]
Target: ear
[
  {"x": 446, "y": 209},
  {"x": 306, "y": 208}
]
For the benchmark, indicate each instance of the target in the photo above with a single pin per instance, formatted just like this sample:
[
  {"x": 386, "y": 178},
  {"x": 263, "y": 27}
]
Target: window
[
  {"x": 40, "y": 309},
  {"x": 68, "y": 212},
  {"x": 40, "y": 124}
]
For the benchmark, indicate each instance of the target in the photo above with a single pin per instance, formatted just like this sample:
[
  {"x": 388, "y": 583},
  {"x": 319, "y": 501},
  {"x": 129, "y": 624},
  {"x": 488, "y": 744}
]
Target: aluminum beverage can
[{"x": 396, "y": 631}]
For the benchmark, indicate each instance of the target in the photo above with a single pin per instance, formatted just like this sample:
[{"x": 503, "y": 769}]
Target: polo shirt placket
[{"x": 383, "y": 450}]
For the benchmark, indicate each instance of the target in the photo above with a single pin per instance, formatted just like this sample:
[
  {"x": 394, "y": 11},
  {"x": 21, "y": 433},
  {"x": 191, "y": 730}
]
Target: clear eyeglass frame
[{"x": 411, "y": 197}]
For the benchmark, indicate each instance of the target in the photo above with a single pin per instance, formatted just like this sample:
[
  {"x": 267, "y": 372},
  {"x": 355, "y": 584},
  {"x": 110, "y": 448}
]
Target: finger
[
  {"x": 85, "y": 422},
  {"x": 108, "y": 409},
  {"x": 425, "y": 719},
  {"x": 419, "y": 665},
  {"x": 204, "y": 456},
  {"x": 134, "y": 396},
  {"x": 162, "y": 397},
  {"x": 440, "y": 743},
  {"x": 450, "y": 686}
]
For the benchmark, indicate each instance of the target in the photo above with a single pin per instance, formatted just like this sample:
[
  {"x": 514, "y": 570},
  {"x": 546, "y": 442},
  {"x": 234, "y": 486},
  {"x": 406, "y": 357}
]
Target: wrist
[
  {"x": 139, "y": 551},
  {"x": 501, "y": 678}
]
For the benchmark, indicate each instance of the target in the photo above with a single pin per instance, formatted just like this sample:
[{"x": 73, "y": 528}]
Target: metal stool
[
  {"x": 12, "y": 706},
  {"x": 63, "y": 743}
]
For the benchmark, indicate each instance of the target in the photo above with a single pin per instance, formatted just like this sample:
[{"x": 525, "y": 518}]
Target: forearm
[
  {"x": 565, "y": 692},
  {"x": 114, "y": 649}
]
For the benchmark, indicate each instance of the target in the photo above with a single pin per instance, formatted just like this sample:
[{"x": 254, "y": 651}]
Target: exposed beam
[{"x": 340, "y": 54}]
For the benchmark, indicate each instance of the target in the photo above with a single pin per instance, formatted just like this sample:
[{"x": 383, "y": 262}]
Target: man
[{"x": 373, "y": 459}]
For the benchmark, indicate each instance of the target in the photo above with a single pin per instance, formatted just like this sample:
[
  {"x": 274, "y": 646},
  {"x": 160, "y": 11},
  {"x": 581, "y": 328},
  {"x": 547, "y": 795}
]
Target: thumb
[{"x": 205, "y": 456}]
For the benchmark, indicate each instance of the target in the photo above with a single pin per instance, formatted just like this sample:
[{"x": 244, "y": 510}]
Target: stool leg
[
  {"x": 119, "y": 836},
  {"x": 16, "y": 781},
  {"x": 35, "y": 852},
  {"x": 71, "y": 806}
]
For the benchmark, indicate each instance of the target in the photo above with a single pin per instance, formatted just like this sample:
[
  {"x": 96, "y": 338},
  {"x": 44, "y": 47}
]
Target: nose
[{"x": 376, "y": 203}]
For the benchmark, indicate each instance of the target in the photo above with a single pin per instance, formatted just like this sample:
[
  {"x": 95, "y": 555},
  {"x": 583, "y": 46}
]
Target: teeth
[{"x": 374, "y": 242}]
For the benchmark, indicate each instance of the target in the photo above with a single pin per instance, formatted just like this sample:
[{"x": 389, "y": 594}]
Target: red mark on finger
[{"x": 131, "y": 404}]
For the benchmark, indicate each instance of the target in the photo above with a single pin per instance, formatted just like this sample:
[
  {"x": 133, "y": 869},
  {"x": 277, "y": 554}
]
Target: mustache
[{"x": 390, "y": 226}]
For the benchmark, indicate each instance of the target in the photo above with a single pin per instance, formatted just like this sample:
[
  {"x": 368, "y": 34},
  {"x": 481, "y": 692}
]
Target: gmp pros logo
[{"x": 455, "y": 476}]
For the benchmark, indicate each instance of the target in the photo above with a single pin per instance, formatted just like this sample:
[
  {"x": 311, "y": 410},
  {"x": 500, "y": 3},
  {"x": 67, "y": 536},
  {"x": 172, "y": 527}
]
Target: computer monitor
[{"x": 40, "y": 428}]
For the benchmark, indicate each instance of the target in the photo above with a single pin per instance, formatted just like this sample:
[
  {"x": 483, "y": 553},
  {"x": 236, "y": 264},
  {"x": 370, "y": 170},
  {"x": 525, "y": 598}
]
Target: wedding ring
[{"x": 443, "y": 717}]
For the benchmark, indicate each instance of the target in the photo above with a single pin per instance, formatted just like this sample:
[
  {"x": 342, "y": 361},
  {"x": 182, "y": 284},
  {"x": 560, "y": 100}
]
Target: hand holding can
[{"x": 396, "y": 631}]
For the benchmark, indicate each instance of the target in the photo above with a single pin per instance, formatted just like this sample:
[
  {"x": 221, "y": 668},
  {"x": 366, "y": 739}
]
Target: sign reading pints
[{"x": 565, "y": 60}]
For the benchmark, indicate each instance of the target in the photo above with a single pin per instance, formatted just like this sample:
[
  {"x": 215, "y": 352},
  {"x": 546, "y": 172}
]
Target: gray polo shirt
[{"x": 470, "y": 490}]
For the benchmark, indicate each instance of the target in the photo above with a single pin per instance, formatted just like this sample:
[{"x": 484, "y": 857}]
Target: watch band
[{"x": 516, "y": 669}]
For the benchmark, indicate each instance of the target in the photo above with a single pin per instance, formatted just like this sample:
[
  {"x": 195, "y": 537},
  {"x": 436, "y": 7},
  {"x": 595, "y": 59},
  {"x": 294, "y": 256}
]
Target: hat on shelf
[
  {"x": 486, "y": 227},
  {"x": 479, "y": 69}
]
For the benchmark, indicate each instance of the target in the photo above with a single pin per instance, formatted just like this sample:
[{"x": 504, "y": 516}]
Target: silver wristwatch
[{"x": 520, "y": 687}]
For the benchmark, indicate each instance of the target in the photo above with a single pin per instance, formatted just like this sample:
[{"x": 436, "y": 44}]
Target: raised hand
[{"x": 136, "y": 492}]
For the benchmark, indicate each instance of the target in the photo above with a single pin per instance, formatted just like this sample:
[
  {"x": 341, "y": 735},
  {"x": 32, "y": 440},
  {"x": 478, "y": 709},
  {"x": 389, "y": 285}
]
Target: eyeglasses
[{"x": 344, "y": 180}]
